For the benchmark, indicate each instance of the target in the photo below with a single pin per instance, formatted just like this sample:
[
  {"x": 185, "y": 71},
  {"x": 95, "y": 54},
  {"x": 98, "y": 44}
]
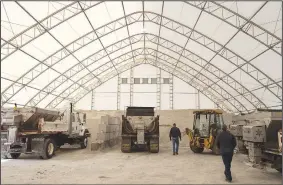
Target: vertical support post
[
  {"x": 197, "y": 99},
  {"x": 119, "y": 81},
  {"x": 171, "y": 92},
  {"x": 158, "y": 89},
  {"x": 131, "y": 86},
  {"x": 93, "y": 99}
]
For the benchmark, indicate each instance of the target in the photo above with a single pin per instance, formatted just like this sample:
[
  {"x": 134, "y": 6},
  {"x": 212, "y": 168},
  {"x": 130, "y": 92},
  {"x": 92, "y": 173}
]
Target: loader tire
[
  {"x": 126, "y": 145},
  {"x": 196, "y": 149},
  {"x": 154, "y": 146},
  {"x": 49, "y": 148}
]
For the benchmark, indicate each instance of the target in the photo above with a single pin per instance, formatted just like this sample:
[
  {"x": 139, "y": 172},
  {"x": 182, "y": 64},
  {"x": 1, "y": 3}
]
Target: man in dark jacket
[
  {"x": 226, "y": 142},
  {"x": 174, "y": 135}
]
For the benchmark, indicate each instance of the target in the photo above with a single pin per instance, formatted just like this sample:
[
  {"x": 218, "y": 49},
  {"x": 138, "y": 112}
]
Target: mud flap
[
  {"x": 126, "y": 145},
  {"x": 154, "y": 145}
]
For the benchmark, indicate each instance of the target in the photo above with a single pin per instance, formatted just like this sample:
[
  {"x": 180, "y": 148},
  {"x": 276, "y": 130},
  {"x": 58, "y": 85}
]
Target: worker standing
[
  {"x": 226, "y": 142},
  {"x": 15, "y": 107},
  {"x": 174, "y": 135}
]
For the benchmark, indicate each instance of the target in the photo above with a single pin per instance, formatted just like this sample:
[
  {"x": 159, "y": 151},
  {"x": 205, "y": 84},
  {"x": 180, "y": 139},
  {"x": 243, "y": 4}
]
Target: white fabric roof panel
[{"x": 68, "y": 48}]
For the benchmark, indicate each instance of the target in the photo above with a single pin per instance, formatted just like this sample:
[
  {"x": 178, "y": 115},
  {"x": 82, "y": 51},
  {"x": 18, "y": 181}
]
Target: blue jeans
[
  {"x": 175, "y": 142},
  {"x": 227, "y": 159}
]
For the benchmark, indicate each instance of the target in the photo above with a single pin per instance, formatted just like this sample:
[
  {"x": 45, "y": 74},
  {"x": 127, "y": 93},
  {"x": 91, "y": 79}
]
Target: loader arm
[{"x": 189, "y": 132}]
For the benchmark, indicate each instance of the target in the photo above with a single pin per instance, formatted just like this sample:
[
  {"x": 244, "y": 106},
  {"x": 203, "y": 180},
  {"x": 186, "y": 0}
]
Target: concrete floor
[{"x": 113, "y": 167}]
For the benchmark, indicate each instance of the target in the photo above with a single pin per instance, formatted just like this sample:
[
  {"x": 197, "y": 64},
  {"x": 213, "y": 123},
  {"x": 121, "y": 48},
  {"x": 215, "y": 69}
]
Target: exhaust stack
[{"x": 69, "y": 118}]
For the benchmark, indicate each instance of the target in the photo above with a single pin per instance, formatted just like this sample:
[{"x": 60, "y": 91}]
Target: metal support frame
[
  {"x": 171, "y": 89},
  {"x": 229, "y": 80},
  {"x": 226, "y": 79},
  {"x": 164, "y": 43},
  {"x": 128, "y": 29},
  {"x": 193, "y": 29},
  {"x": 238, "y": 30},
  {"x": 97, "y": 36},
  {"x": 147, "y": 92},
  {"x": 124, "y": 67},
  {"x": 151, "y": 52},
  {"x": 66, "y": 49},
  {"x": 236, "y": 20},
  {"x": 119, "y": 81},
  {"x": 158, "y": 89},
  {"x": 31, "y": 33},
  {"x": 60, "y": 16},
  {"x": 177, "y": 27},
  {"x": 163, "y": 57},
  {"x": 131, "y": 86},
  {"x": 93, "y": 99}
]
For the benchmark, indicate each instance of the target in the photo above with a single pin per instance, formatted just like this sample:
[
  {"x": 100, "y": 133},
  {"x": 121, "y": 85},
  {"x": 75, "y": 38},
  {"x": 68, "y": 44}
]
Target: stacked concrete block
[
  {"x": 254, "y": 133},
  {"x": 105, "y": 131},
  {"x": 93, "y": 127},
  {"x": 115, "y": 130},
  {"x": 254, "y": 152}
]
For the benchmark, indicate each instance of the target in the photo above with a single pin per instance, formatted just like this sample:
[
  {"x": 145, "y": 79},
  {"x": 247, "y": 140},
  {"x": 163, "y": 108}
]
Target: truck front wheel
[
  {"x": 48, "y": 148},
  {"x": 84, "y": 142}
]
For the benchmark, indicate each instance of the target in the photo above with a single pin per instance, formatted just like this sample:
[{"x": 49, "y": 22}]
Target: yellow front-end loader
[{"x": 206, "y": 127}]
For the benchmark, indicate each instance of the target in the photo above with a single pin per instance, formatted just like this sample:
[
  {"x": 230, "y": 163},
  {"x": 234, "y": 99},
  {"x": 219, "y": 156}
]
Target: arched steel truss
[{"x": 242, "y": 24}]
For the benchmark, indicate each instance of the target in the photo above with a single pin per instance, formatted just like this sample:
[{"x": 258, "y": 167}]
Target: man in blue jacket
[
  {"x": 226, "y": 142},
  {"x": 175, "y": 134}
]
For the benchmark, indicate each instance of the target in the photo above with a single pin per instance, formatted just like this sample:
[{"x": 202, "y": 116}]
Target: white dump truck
[
  {"x": 260, "y": 135},
  {"x": 40, "y": 131},
  {"x": 140, "y": 130}
]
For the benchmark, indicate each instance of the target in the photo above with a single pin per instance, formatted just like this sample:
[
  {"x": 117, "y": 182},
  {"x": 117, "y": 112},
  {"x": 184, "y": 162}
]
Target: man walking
[
  {"x": 174, "y": 135},
  {"x": 226, "y": 142}
]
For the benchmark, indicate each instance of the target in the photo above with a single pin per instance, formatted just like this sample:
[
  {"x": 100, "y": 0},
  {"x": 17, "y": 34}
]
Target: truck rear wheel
[
  {"x": 48, "y": 148},
  {"x": 126, "y": 145},
  {"x": 279, "y": 169},
  {"x": 15, "y": 155},
  {"x": 154, "y": 146}
]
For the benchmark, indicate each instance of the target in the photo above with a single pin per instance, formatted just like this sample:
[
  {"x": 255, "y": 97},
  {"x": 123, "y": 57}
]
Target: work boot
[
  {"x": 176, "y": 153},
  {"x": 173, "y": 153},
  {"x": 228, "y": 180}
]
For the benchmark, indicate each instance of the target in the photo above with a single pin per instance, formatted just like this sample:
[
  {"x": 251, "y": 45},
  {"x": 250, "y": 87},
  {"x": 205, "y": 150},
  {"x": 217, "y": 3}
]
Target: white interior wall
[{"x": 108, "y": 101}]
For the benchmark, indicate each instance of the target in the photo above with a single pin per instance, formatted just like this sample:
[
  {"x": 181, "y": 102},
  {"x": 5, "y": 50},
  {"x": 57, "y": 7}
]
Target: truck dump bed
[
  {"x": 140, "y": 111},
  {"x": 148, "y": 115},
  {"x": 27, "y": 118}
]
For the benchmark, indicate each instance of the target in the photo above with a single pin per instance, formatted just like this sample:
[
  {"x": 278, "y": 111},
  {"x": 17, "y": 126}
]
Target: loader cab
[{"x": 207, "y": 122}]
